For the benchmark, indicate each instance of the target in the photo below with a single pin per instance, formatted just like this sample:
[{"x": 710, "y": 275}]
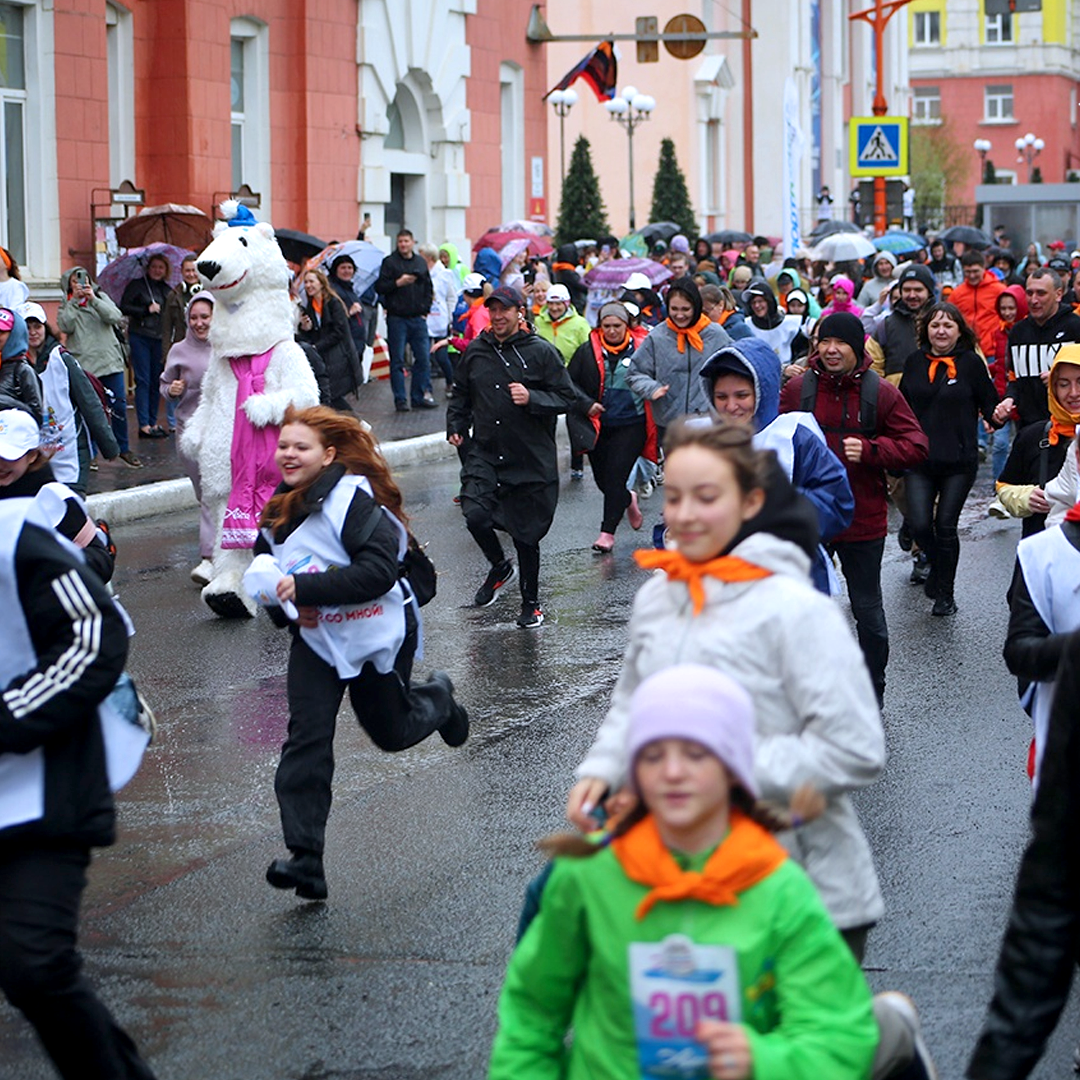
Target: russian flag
[{"x": 598, "y": 69}]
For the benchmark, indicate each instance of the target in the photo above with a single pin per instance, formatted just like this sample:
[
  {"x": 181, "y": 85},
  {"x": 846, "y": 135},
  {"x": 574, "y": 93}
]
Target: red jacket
[
  {"x": 979, "y": 307},
  {"x": 898, "y": 445},
  {"x": 999, "y": 359}
]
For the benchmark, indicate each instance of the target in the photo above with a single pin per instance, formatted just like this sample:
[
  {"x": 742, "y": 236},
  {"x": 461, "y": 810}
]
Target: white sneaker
[
  {"x": 996, "y": 509},
  {"x": 202, "y": 573},
  {"x": 904, "y": 1009}
]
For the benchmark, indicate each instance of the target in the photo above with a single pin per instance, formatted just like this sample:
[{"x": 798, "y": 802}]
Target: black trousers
[
  {"x": 936, "y": 532},
  {"x": 395, "y": 714},
  {"x": 860, "y": 561},
  {"x": 41, "y": 969},
  {"x": 616, "y": 451}
]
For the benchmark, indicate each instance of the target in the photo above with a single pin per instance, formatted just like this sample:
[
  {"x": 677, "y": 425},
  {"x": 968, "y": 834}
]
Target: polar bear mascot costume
[{"x": 256, "y": 372}]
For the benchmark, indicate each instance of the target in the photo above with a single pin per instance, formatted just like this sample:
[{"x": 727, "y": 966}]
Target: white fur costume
[{"x": 244, "y": 268}]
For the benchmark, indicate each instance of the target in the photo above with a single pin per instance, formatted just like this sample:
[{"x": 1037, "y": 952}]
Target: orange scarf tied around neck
[
  {"x": 747, "y": 855},
  {"x": 938, "y": 361},
  {"x": 1062, "y": 422},
  {"x": 678, "y": 567},
  {"x": 690, "y": 333}
]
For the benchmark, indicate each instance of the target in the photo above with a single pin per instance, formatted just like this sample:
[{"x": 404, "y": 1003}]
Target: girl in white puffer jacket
[{"x": 741, "y": 601}]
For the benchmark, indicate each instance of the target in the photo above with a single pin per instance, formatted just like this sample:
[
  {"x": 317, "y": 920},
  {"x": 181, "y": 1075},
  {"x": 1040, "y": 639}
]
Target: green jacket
[
  {"x": 90, "y": 330},
  {"x": 805, "y": 1004},
  {"x": 567, "y": 334}
]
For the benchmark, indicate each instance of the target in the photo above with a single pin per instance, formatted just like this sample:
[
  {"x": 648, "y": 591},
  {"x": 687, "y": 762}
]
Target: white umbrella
[{"x": 844, "y": 247}]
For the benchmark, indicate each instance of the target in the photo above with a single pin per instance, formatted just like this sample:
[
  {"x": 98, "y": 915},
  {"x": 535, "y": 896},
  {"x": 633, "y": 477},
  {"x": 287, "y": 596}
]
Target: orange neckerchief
[
  {"x": 1062, "y": 422},
  {"x": 725, "y": 316},
  {"x": 316, "y": 303},
  {"x": 747, "y": 855},
  {"x": 1076, "y": 308},
  {"x": 616, "y": 349},
  {"x": 691, "y": 334},
  {"x": 679, "y": 568},
  {"x": 557, "y": 267},
  {"x": 937, "y": 361}
]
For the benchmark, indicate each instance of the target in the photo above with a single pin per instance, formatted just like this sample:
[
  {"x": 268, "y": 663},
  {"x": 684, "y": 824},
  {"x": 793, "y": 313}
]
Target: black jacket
[
  {"x": 1040, "y": 948},
  {"x": 357, "y": 329},
  {"x": 19, "y": 388},
  {"x": 1030, "y": 341},
  {"x": 407, "y": 301},
  {"x": 948, "y": 409},
  {"x": 330, "y": 336},
  {"x": 898, "y": 336},
  {"x": 1030, "y": 462},
  {"x": 81, "y": 644},
  {"x": 519, "y": 440},
  {"x": 136, "y": 301}
]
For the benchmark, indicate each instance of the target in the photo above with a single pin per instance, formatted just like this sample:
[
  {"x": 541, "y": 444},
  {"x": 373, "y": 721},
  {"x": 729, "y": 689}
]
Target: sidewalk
[{"x": 121, "y": 493}]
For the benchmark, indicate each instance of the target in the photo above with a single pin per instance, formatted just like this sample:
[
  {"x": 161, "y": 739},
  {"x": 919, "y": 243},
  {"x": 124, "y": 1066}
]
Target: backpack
[
  {"x": 869, "y": 385},
  {"x": 415, "y": 566},
  {"x": 105, "y": 396}
]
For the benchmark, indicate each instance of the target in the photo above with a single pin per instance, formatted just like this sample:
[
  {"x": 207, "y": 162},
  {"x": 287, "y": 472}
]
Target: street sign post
[{"x": 878, "y": 146}]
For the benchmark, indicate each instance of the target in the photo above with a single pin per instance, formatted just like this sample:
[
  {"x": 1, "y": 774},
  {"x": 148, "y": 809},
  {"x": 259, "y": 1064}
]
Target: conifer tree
[
  {"x": 670, "y": 197},
  {"x": 581, "y": 209}
]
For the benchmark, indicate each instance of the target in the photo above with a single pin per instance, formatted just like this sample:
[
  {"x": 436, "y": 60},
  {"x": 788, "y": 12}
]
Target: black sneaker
[
  {"x": 532, "y": 616},
  {"x": 303, "y": 872},
  {"x": 456, "y": 730},
  {"x": 944, "y": 605},
  {"x": 498, "y": 576}
]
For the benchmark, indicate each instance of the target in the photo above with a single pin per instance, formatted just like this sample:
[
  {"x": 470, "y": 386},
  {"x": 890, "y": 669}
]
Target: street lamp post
[
  {"x": 563, "y": 101},
  {"x": 1029, "y": 148},
  {"x": 631, "y": 109},
  {"x": 982, "y": 148}
]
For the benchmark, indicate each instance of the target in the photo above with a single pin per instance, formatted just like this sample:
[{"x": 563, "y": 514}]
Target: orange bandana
[
  {"x": 747, "y": 855},
  {"x": 678, "y": 567},
  {"x": 937, "y": 361},
  {"x": 616, "y": 349},
  {"x": 691, "y": 333},
  {"x": 558, "y": 267}
]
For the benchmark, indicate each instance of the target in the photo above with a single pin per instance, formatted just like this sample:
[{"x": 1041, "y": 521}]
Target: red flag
[{"x": 598, "y": 69}]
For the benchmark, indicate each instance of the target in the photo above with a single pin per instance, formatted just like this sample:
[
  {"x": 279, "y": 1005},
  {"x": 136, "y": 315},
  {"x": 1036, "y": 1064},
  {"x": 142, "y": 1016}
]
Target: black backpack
[{"x": 869, "y": 385}]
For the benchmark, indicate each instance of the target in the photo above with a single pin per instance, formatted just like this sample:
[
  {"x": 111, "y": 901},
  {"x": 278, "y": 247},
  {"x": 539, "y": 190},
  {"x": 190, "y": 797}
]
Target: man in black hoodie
[{"x": 1033, "y": 344}]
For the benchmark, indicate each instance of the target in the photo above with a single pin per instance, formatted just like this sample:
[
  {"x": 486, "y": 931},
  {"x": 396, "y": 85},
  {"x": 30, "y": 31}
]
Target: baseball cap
[
  {"x": 19, "y": 433},
  {"x": 637, "y": 281},
  {"x": 505, "y": 295},
  {"x": 473, "y": 283},
  {"x": 30, "y": 310},
  {"x": 558, "y": 292},
  {"x": 1060, "y": 264},
  {"x": 7, "y": 320}
]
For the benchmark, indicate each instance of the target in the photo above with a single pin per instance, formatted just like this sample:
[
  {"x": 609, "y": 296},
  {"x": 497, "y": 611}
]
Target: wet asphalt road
[{"x": 396, "y": 977}]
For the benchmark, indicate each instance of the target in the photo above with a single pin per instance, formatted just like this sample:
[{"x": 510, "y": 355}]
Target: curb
[{"x": 171, "y": 496}]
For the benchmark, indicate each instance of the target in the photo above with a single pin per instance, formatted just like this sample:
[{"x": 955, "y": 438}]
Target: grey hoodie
[{"x": 90, "y": 329}]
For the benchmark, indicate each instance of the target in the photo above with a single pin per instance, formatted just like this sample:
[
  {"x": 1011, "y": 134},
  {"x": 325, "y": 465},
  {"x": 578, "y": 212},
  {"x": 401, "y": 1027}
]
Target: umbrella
[
  {"x": 537, "y": 245},
  {"x": 115, "y": 277},
  {"x": 900, "y": 243},
  {"x": 830, "y": 228},
  {"x": 844, "y": 247},
  {"x": 366, "y": 255},
  {"x": 967, "y": 235},
  {"x": 634, "y": 243},
  {"x": 298, "y": 246},
  {"x": 660, "y": 230},
  {"x": 512, "y": 250},
  {"x": 727, "y": 237},
  {"x": 536, "y": 228},
  {"x": 172, "y": 223},
  {"x": 612, "y": 273}
]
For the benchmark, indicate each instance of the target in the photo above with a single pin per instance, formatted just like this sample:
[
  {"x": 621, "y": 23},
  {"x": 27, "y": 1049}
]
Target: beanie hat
[
  {"x": 845, "y": 326},
  {"x": 921, "y": 273},
  {"x": 7, "y": 319},
  {"x": 698, "y": 703},
  {"x": 680, "y": 243}
]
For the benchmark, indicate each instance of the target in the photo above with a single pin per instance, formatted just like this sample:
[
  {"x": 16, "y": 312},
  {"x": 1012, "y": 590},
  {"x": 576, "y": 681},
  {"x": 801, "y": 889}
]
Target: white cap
[
  {"x": 473, "y": 283},
  {"x": 558, "y": 292},
  {"x": 636, "y": 281},
  {"x": 30, "y": 310},
  {"x": 19, "y": 433}
]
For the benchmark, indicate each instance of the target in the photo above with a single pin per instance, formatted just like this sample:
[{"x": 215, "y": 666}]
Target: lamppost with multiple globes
[
  {"x": 1029, "y": 148},
  {"x": 631, "y": 109},
  {"x": 563, "y": 101},
  {"x": 982, "y": 148}
]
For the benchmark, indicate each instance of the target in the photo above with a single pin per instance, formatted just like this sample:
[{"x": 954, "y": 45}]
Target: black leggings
[
  {"x": 936, "y": 531},
  {"x": 616, "y": 451},
  {"x": 395, "y": 714}
]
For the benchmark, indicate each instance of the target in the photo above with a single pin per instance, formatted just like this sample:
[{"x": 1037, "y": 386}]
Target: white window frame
[
  {"x": 924, "y": 25},
  {"x": 41, "y": 260},
  {"x": 997, "y": 115},
  {"x": 998, "y": 29},
  {"x": 512, "y": 141},
  {"x": 120, "y": 51},
  {"x": 1004, "y": 176},
  {"x": 255, "y": 119},
  {"x": 925, "y": 96}
]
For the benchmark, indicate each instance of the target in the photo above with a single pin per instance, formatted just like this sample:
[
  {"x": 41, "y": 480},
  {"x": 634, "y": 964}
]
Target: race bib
[{"x": 674, "y": 984}]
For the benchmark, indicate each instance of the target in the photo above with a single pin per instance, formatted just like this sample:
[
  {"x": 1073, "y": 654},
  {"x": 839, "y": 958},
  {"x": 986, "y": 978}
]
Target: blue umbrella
[
  {"x": 900, "y": 243},
  {"x": 367, "y": 256}
]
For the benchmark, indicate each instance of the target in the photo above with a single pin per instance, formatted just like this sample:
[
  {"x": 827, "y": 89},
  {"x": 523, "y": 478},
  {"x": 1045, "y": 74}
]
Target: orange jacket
[{"x": 978, "y": 305}]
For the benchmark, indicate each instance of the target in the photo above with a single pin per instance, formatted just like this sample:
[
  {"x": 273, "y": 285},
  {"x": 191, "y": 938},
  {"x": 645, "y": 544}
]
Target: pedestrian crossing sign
[{"x": 879, "y": 145}]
